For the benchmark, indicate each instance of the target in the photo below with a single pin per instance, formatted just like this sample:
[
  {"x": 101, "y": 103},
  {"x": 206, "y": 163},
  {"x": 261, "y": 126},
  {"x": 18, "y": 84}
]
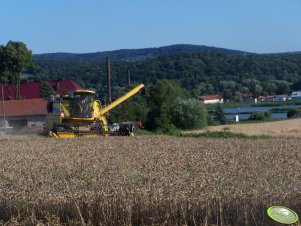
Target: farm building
[
  {"x": 21, "y": 113},
  {"x": 31, "y": 89},
  {"x": 266, "y": 98},
  {"x": 211, "y": 99},
  {"x": 282, "y": 97}
]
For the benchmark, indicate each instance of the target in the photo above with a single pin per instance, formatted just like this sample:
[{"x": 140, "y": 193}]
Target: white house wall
[{"x": 216, "y": 101}]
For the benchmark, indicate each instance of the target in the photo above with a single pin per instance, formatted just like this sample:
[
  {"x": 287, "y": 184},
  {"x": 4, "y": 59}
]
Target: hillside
[
  {"x": 134, "y": 54},
  {"x": 200, "y": 72}
]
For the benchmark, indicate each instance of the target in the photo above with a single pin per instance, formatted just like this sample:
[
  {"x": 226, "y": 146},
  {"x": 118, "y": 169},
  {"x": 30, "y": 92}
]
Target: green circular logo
[{"x": 282, "y": 214}]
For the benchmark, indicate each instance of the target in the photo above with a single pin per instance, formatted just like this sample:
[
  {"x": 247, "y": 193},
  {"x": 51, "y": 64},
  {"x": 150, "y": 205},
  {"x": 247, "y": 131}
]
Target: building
[
  {"x": 31, "y": 89},
  {"x": 296, "y": 95},
  {"x": 21, "y": 113},
  {"x": 211, "y": 99},
  {"x": 266, "y": 98},
  {"x": 282, "y": 97}
]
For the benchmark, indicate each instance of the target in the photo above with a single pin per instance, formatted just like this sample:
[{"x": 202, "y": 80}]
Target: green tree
[
  {"x": 4, "y": 72},
  {"x": 244, "y": 89},
  {"x": 291, "y": 113},
  {"x": 257, "y": 90},
  {"x": 219, "y": 115},
  {"x": 228, "y": 95},
  {"x": 161, "y": 98},
  {"x": 15, "y": 58},
  {"x": 46, "y": 90},
  {"x": 282, "y": 87},
  {"x": 270, "y": 87},
  {"x": 188, "y": 114},
  {"x": 253, "y": 86},
  {"x": 133, "y": 109},
  {"x": 297, "y": 85},
  {"x": 237, "y": 97}
]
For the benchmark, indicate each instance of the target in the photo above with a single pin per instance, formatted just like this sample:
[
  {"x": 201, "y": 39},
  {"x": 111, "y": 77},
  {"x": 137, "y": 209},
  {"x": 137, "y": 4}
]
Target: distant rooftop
[
  {"x": 31, "y": 89},
  {"x": 210, "y": 97},
  {"x": 24, "y": 107}
]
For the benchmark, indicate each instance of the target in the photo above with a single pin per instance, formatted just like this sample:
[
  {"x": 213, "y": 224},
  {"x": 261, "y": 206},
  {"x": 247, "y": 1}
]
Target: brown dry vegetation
[
  {"x": 154, "y": 180},
  {"x": 284, "y": 128}
]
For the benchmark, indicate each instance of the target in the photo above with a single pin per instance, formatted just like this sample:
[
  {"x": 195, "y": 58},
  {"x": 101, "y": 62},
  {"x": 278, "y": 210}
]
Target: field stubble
[
  {"x": 284, "y": 128},
  {"x": 155, "y": 180}
]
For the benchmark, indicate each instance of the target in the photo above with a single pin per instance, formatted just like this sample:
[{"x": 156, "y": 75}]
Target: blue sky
[{"x": 79, "y": 26}]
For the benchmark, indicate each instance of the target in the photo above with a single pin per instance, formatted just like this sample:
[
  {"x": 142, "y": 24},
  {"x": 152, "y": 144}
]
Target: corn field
[{"x": 151, "y": 180}]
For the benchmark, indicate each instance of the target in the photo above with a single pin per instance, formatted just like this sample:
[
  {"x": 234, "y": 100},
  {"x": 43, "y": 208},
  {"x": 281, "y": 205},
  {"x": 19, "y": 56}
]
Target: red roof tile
[
  {"x": 64, "y": 85},
  {"x": 24, "y": 107},
  {"x": 211, "y": 97},
  {"x": 31, "y": 89},
  {"x": 266, "y": 97}
]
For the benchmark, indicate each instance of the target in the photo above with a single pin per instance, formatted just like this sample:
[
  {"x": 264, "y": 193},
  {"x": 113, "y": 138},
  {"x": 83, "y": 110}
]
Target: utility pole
[
  {"x": 109, "y": 91},
  {"x": 3, "y": 110},
  {"x": 129, "y": 76}
]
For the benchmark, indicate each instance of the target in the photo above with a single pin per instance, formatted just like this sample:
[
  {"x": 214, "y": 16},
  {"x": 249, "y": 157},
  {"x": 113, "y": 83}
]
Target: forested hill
[
  {"x": 200, "y": 73},
  {"x": 134, "y": 54}
]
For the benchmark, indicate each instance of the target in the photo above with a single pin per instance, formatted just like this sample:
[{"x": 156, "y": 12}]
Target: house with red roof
[
  {"x": 31, "y": 89},
  {"x": 266, "y": 98},
  {"x": 21, "y": 113},
  {"x": 30, "y": 110},
  {"x": 211, "y": 99}
]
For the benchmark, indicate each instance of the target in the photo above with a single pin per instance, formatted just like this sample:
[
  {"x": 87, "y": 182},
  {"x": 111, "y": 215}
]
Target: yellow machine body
[{"x": 79, "y": 113}]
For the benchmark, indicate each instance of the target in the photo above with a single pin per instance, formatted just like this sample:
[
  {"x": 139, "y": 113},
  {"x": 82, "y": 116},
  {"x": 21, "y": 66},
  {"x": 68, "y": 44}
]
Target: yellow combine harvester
[{"x": 79, "y": 113}]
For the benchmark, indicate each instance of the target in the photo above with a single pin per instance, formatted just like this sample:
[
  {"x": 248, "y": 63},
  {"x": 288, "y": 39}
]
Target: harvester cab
[{"x": 80, "y": 113}]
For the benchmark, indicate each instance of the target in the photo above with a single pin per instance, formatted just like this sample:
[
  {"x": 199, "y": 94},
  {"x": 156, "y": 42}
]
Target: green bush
[
  {"x": 291, "y": 113},
  {"x": 188, "y": 114},
  {"x": 260, "y": 115},
  {"x": 211, "y": 121},
  {"x": 171, "y": 130}
]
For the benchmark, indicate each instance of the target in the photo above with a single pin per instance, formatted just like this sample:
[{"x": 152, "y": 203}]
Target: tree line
[
  {"x": 134, "y": 54},
  {"x": 201, "y": 73}
]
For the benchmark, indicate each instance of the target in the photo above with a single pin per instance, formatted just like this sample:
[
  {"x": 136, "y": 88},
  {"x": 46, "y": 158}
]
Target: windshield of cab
[{"x": 81, "y": 105}]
